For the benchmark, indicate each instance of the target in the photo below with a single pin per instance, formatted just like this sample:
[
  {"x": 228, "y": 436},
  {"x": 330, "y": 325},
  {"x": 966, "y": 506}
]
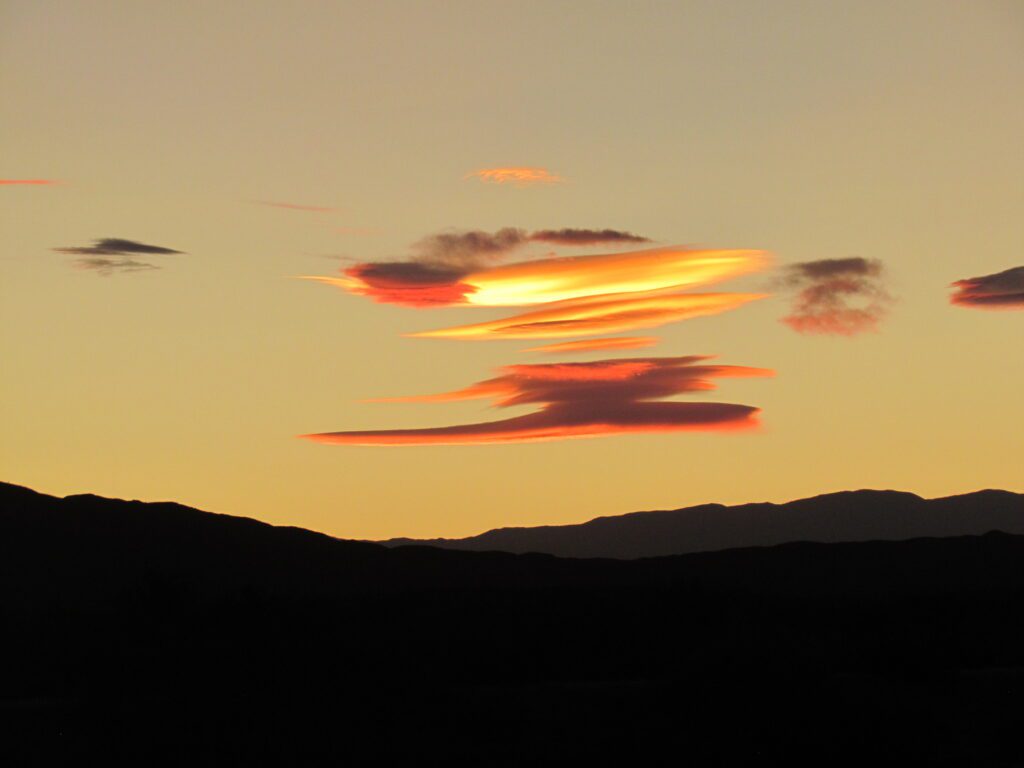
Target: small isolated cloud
[
  {"x": 517, "y": 176},
  {"x": 603, "y": 397},
  {"x": 112, "y": 254},
  {"x": 1003, "y": 290},
  {"x": 591, "y": 345},
  {"x": 296, "y": 206},
  {"x": 29, "y": 182},
  {"x": 586, "y": 236},
  {"x": 842, "y": 297}
]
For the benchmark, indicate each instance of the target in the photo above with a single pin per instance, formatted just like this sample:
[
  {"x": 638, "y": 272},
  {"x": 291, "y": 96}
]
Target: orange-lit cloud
[
  {"x": 447, "y": 268},
  {"x": 591, "y": 345},
  {"x": 605, "y": 314},
  {"x": 842, "y": 297},
  {"x": 1003, "y": 290},
  {"x": 672, "y": 268},
  {"x": 603, "y": 397},
  {"x": 518, "y": 176},
  {"x": 32, "y": 182},
  {"x": 297, "y": 207}
]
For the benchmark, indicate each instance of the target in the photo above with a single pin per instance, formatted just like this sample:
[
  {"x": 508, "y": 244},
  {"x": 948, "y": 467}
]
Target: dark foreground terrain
[{"x": 156, "y": 634}]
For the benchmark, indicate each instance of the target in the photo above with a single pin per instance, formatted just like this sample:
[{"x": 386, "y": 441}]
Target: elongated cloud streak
[
  {"x": 591, "y": 345},
  {"x": 115, "y": 246},
  {"x": 296, "y": 206},
  {"x": 836, "y": 296},
  {"x": 591, "y": 399},
  {"x": 445, "y": 281},
  {"x": 612, "y": 314},
  {"x": 517, "y": 176},
  {"x": 113, "y": 254},
  {"x": 29, "y": 182},
  {"x": 586, "y": 236},
  {"x": 581, "y": 277},
  {"x": 1003, "y": 290}
]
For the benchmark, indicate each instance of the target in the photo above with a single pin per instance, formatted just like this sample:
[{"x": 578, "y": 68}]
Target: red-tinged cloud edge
[
  {"x": 452, "y": 275},
  {"x": 29, "y": 182},
  {"x": 1003, "y": 290},
  {"x": 593, "y": 345},
  {"x": 592, "y": 399}
]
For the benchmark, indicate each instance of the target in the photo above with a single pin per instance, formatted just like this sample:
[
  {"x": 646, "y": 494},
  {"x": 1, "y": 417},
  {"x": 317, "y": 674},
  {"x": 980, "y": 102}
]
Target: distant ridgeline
[{"x": 835, "y": 517}]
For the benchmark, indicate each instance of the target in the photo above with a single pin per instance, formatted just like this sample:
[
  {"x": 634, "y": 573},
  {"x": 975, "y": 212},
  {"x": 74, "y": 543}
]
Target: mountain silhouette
[
  {"x": 157, "y": 634},
  {"x": 835, "y": 517}
]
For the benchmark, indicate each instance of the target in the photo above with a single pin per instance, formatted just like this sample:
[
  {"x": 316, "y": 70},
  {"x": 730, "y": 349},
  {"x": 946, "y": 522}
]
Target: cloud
[
  {"x": 32, "y": 182},
  {"x": 586, "y": 236},
  {"x": 603, "y": 397},
  {"x": 405, "y": 283},
  {"x": 611, "y": 314},
  {"x": 836, "y": 296},
  {"x": 517, "y": 176},
  {"x": 468, "y": 250},
  {"x": 296, "y": 206},
  {"x": 1003, "y": 290},
  {"x": 114, "y": 246},
  {"x": 665, "y": 269},
  {"x": 538, "y": 281},
  {"x": 94, "y": 257},
  {"x": 590, "y": 345},
  {"x": 105, "y": 266}
]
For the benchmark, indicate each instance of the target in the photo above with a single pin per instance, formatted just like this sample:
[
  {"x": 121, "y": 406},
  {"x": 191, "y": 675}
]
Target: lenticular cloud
[{"x": 604, "y": 397}]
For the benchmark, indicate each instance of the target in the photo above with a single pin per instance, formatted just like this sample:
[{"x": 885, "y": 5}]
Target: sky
[{"x": 249, "y": 220}]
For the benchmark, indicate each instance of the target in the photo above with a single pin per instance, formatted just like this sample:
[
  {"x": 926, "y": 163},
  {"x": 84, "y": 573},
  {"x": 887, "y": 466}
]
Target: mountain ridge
[{"x": 885, "y": 515}]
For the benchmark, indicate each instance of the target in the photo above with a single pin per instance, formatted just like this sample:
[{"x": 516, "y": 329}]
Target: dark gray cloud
[
  {"x": 113, "y": 254},
  {"x": 1003, "y": 290},
  {"x": 836, "y": 296},
  {"x": 470, "y": 250},
  {"x": 586, "y": 236},
  {"x": 115, "y": 246}
]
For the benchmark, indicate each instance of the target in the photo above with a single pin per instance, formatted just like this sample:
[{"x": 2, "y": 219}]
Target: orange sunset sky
[{"x": 425, "y": 269}]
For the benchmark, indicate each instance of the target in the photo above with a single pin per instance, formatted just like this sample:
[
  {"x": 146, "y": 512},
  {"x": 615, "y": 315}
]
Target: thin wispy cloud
[
  {"x": 612, "y": 314},
  {"x": 105, "y": 266},
  {"x": 296, "y": 206},
  {"x": 29, "y": 182},
  {"x": 586, "y": 237},
  {"x": 113, "y": 254},
  {"x": 604, "y": 397},
  {"x": 1002, "y": 290},
  {"x": 516, "y": 176},
  {"x": 843, "y": 297},
  {"x": 592, "y": 345}
]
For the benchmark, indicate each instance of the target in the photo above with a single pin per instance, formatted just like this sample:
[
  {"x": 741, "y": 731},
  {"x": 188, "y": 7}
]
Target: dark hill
[
  {"x": 155, "y": 634},
  {"x": 835, "y": 517}
]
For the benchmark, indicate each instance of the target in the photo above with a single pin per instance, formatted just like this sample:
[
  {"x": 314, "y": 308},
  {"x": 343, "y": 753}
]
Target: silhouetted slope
[
  {"x": 835, "y": 517},
  {"x": 153, "y": 634}
]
